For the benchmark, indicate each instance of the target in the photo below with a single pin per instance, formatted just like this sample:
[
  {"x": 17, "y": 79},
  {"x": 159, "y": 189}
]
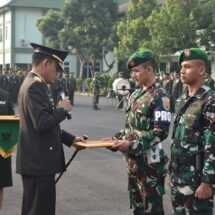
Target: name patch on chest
[{"x": 162, "y": 116}]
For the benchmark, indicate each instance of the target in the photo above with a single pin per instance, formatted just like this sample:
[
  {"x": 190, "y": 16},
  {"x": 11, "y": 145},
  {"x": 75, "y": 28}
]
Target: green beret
[
  {"x": 139, "y": 57},
  {"x": 193, "y": 54}
]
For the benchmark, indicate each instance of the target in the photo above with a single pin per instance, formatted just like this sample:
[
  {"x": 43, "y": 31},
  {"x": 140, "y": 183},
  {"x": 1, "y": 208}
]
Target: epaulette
[{"x": 37, "y": 79}]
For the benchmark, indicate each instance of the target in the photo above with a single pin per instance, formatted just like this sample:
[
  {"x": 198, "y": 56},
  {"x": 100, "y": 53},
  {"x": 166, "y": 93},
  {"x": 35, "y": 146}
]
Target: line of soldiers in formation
[
  {"x": 11, "y": 80},
  {"x": 170, "y": 82},
  {"x": 173, "y": 85},
  {"x": 66, "y": 84}
]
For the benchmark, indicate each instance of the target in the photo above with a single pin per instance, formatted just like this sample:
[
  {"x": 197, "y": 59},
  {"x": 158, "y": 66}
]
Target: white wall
[
  {"x": 110, "y": 58},
  {"x": 72, "y": 60},
  {"x": 1, "y": 42},
  {"x": 25, "y": 27},
  {"x": 23, "y": 58},
  {"x": 7, "y": 33}
]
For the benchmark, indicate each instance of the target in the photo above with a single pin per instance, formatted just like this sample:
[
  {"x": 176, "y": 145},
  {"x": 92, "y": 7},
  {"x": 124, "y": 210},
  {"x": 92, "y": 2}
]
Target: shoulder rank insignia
[
  {"x": 187, "y": 52},
  {"x": 166, "y": 103},
  {"x": 37, "y": 79}
]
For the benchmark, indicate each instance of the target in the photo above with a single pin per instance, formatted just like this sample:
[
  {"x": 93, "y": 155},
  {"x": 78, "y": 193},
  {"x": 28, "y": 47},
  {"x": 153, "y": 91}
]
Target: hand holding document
[{"x": 97, "y": 143}]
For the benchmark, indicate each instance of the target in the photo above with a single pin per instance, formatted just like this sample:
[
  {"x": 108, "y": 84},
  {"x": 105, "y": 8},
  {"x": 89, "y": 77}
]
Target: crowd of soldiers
[
  {"x": 172, "y": 83},
  {"x": 65, "y": 84},
  {"x": 11, "y": 80}
]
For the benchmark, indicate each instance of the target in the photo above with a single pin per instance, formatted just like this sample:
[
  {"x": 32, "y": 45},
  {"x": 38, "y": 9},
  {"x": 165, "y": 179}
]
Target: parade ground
[{"x": 95, "y": 183}]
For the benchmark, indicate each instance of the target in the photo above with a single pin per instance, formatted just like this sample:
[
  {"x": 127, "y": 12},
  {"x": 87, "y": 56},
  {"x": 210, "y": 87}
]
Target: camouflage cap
[
  {"x": 193, "y": 54},
  {"x": 139, "y": 57}
]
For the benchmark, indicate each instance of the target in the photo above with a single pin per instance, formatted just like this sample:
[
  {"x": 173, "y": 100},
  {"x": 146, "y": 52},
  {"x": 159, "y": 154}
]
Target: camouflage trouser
[
  {"x": 95, "y": 98},
  {"x": 146, "y": 198},
  {"x": 188, "y": 204}
]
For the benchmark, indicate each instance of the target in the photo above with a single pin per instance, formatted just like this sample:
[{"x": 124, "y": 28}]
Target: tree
[
  {"x": 87, "y": 27},
  {"x": 205, "y": 15},
  {"x": 132, "y": 32},
  {"x": 49, "y": 25},
  {"x": 173, "y": 28}
]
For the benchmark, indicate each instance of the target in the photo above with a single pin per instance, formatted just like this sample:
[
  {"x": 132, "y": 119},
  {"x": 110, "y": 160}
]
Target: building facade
[{"x": 18, "y": 20}]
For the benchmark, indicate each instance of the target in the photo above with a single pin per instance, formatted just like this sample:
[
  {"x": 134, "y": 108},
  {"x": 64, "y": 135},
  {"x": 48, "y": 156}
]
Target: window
[
  {"x": 1, "y": 34},
  {"x": 66, "y": 67},
  {"x": 6, "y": 32}
]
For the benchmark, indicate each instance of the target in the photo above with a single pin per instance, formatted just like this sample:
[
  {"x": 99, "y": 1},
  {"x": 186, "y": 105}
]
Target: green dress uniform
[
  {"x": 177, "y": 90},
  {"x": 5, "y": 163}
]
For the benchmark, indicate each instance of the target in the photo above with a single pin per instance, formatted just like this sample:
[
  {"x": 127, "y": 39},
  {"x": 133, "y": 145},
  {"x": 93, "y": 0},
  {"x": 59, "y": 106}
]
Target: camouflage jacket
[
  {"x": 148, "y": 119},
  {"x": 194, "y": 134}
]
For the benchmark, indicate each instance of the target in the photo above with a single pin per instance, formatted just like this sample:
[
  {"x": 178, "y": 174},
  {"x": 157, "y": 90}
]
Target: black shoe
[{"x": 96, "y": 108}]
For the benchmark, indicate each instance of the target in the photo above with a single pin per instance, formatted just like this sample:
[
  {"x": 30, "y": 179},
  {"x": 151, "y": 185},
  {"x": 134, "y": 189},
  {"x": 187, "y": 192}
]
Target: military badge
[
  {"x": 37, "y": 79},
  {"x": 131, "y": 63},
  {"x": 187, "y": 52},
  {"x": 166, "y": 103}
]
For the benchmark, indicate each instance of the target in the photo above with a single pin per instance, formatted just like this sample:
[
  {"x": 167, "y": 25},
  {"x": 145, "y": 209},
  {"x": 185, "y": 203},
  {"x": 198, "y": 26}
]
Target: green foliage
[
  {"x": 79, "y": 84},
  {"x": 205, "y": 15},
  {"x": 89, "y": 25},
  {"x": 173, "y": 27},
  {"x": 88, "y": 82},
  {"x": 104, "y": 79},
  {"x": 110, "y": 83},
  {"x": 49, "y": 25},
  {"x": 132, "y": 32},
  {"x": 86, "y": 26}
]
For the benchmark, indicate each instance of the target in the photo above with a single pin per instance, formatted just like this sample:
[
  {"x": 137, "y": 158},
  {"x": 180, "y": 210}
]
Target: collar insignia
[
  {"x": 187, "y": 52},
  {"x": 37, "y": 79}
]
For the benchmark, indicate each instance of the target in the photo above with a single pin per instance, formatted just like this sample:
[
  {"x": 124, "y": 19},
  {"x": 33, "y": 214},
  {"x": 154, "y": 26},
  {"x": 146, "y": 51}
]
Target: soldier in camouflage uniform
[
  {"x": 192, "y": 165},
  {"x": 147, "y": 125},
  {"x": 209, "y": 81},
  {"x": 167, "y": 83},
  {"x": 177, "y": 87},
  {"x": 96, "y": 91}
]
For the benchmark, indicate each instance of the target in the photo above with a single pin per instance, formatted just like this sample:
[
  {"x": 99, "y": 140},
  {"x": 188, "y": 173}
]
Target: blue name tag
[{"x": 163, "y": 116}]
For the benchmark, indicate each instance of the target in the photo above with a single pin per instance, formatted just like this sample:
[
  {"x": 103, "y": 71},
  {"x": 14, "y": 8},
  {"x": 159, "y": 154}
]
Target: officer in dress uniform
[
  {"x": 209, "y": 81},
  {"x": 55, "y": 89},
  {"x": 177, "y": 87},
  {"x": 71, "y": 87},
  {"x": 192, "y": 164},
  {"x": 40, "y": 152},
  {"x": 5, "y": 163},
  {"x": 167, "y": 83},
  {"x": 147, "y": 125}
]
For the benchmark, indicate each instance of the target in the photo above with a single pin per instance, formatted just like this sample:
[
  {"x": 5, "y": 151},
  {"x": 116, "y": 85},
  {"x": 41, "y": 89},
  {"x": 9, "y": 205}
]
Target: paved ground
[{"x": 95, "y": 182}]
